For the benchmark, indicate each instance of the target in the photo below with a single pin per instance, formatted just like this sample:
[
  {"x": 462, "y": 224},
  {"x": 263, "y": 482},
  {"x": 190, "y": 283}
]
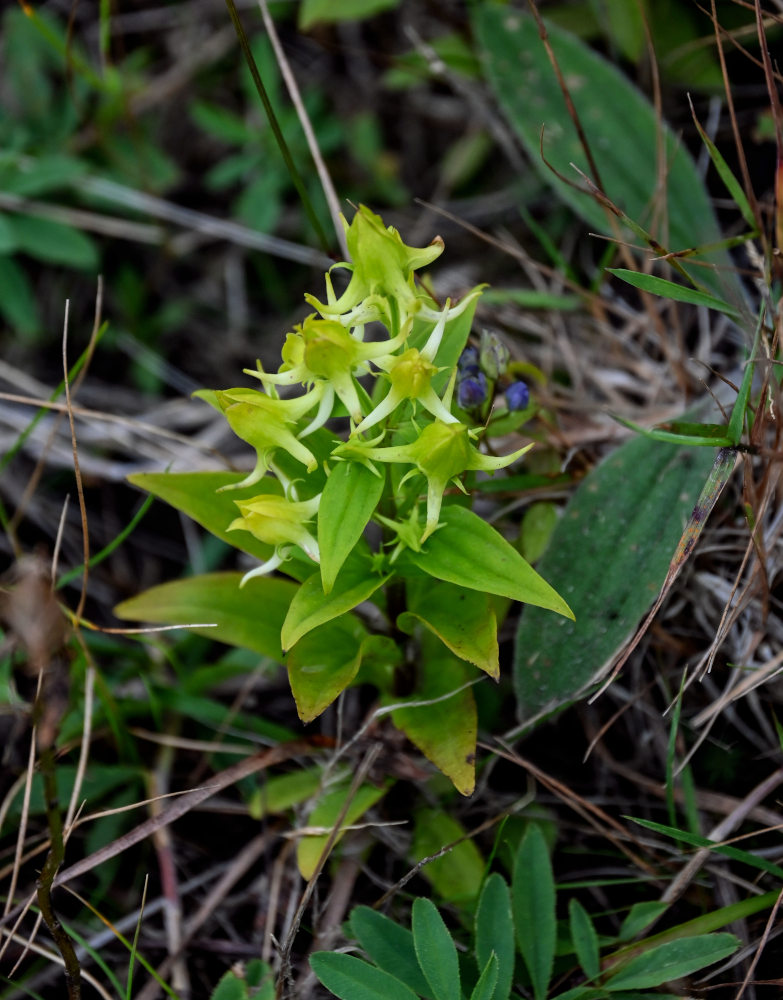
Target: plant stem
[{"x": 44, "y": 884}]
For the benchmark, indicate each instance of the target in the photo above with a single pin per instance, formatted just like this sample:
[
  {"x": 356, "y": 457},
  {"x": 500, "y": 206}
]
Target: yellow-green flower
[
  {"x": 441, "y": 453},
  {"x": 280, "y": 522},
  {"x": 322, "y": 352},
  {"x": 264, "y": 423},
  {"x": 382, "y": 265}
]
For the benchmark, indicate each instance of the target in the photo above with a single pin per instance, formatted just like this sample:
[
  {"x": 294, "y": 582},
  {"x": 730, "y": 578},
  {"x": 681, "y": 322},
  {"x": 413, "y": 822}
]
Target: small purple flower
[
  {"x": 472, "y": 391},
  {"x": 468, "y": 361},
  {"x": 517, "y": 396}
]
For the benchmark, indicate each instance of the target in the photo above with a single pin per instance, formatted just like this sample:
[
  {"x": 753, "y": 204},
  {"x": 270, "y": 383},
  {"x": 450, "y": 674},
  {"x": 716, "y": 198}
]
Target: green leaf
[
  {"x": 584, "y": 939},
  {"x": 435, "y": 950},
  {"x": 348, "y": 502},
  {"x": 609, "y": 555},
  {"x": 221, "y": 123},
  {"x": 640, "y": 916},
  {"x": 671, "y": 290},
  {"x": 754, "y": 860},
  {"x": 325, "y": 815},
  {"x": 485, "y": 987},
  {"x": 469, "y": 552},
  {"x": 495, "y": 932},
  {"x": 462, "y": 619},
  {"x": 456, "y": 876},
  {"x": 7, "y": 237},
  {"x": 53, "y": 242},
  {"x": 526, "y": 87},
  {"x": 671, "y": 961},
  {"x": 197, "y": 495},
  {"x": 445, "y": 731},
  {"x": 250, "y": 617},
  {"x": 324, "y": 663},
  {"x": 533, "y": 905},
  {"x": 280, "y": 792},
  {"x": 41, "y": 175},
  {"x": 18, "y": 305},
  {"x": 350, "y": 978},
  {"x": 388, "y": 945},
  {"x": 733, "y": 186},
  {"x": 311, "y": 607},
  {"x": 328, "y": 11}
]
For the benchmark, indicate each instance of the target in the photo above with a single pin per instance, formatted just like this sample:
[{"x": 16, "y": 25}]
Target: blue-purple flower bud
[
  {"x": 472, "y": 391},
  {"x": 468, "y": 361},
  {"x": 517, "y": 396}
]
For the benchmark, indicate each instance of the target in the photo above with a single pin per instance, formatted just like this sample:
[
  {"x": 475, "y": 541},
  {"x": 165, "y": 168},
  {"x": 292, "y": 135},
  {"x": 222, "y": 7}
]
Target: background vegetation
[{"x": 134, "y": 146}]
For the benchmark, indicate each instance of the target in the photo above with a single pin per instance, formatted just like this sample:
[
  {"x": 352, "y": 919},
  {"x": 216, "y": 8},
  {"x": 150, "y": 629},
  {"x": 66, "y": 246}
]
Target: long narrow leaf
[
  {"x": 670, "y": 290},
  {"x": 533, "y": 904}
]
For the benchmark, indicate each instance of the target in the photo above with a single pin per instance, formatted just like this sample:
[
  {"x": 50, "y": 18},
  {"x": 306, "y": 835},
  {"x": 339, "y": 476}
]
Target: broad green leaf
[
  {"x": 221, "y": 123},
  {"x": 7, "y": 237},
  {"x": 17, "y": 302},
  {"x": 456, "y": 876},
  {"x": 495, "y": 932},
  {"x": 196, "y": 494},
  {"x": 250, "y": 617},
  {"x": 533, "y": 906},
  {"x": 53, "y": 242},
  {"x": 640, "y": 916},
  {"x": 328, "y": 11},
  {"x": 324, "y": 663},
  {"x": 281, "y": 791},
  {"x": 311, "y": 607},
  {"x": 462, "y": 619},
  {"x": 444, "y": 731},
  {"x": 325, "y": 815},
  {"x": 350, "y": 978},
  {"x": 348, "y": 502},
  {"x": 230, "y": 987},
  {"x": 36, "y": 176},
  {"x": 609, "y": 556},
  {"x": 435, "y": 950},
  {"x": 671, "y": 290},
  {"x": 469, "y": 552},
  {"x": 389, "y": 945},
  {"x": 671, "y": 961},
  {"x": 485, "y": 987},
  {"x": 527, "y": 89},
  {"x": 584, "y": 939}
]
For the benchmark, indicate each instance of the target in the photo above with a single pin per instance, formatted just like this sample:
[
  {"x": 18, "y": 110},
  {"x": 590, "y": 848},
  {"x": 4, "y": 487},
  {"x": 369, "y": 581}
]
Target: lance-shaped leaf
[
  {"x": 324, "y": 663},
  {"x": 325, "y": 815},
  {"x": 311, "y": 607},
  {"x": 469, "y": 552},
  {"x": 251, "y": 617},
  {"x": 348, "y": 502},
  {"x": 462, "y": 619},
  {"x": 444, "y": 730}
]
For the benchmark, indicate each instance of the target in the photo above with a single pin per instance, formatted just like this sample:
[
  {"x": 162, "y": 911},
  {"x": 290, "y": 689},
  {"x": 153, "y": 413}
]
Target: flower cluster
[
  {"x": 403, "y": 422},
  {"x": 480, "y": 370}
]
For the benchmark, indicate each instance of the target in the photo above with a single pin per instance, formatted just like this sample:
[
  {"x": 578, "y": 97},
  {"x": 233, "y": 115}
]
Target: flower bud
[
  {"x": 472, "y": 391},
  {"x": 493, "y": 355},
  {"x": 517, "y": 396}
]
